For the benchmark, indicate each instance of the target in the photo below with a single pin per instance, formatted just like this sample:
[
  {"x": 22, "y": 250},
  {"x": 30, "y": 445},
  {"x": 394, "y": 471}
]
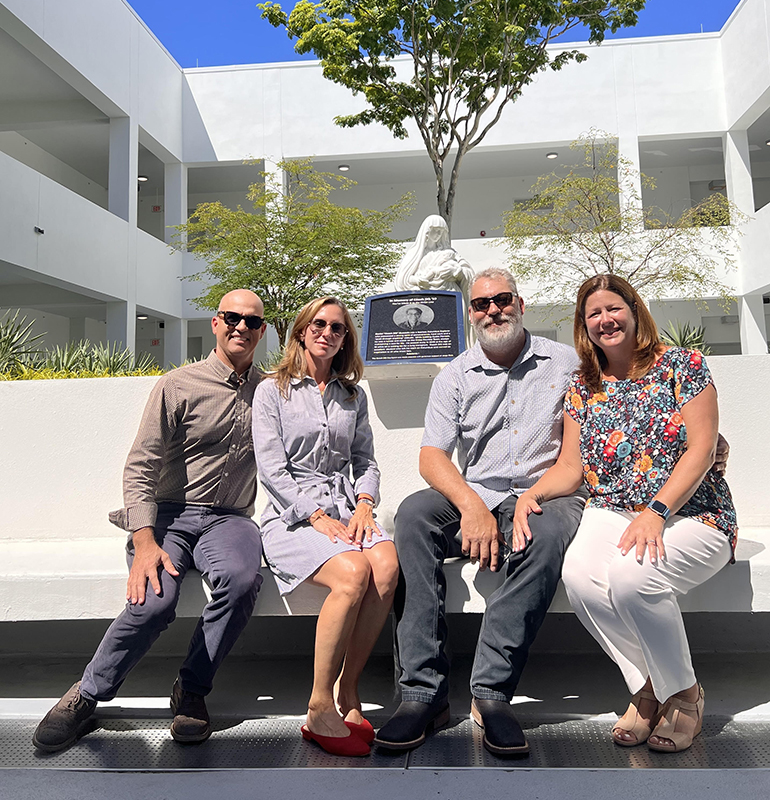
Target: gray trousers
[
  {"x": 226, "y": 548},
  {"x": 427, "y": 532}
]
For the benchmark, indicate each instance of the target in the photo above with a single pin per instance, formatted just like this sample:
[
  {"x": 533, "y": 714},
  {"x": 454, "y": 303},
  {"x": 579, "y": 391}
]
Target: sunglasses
[
  {"x": 233, "y": 318},
  {"x": 318, "y": 326},
  {"x": 501, "y": 300}
]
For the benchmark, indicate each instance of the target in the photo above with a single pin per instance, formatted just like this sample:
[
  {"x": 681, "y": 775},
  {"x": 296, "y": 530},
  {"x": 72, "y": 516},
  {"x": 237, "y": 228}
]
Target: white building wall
[{"x": 667, "y": 87}]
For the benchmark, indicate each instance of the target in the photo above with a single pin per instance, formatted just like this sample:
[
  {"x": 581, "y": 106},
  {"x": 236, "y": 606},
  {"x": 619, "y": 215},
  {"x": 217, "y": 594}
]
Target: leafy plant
[
  {"x": 693, "y": 337},
  {"x": 295, "y": 245},
  {"x": 17, "y": 342},
  {"x": 461, "y": 61},
  {"x": 587, "y": 220}
]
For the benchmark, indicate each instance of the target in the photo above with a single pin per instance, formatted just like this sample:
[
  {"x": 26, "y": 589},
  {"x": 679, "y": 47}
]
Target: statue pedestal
[{"x": 382, "y": 372}]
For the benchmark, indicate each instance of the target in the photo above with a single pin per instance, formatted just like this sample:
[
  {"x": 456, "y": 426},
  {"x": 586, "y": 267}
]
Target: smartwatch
[{"x": 661, "y": 509}]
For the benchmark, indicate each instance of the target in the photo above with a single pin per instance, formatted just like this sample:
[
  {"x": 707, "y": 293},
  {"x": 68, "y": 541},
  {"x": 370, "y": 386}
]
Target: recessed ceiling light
[
  {"x": 343, "y": 167},
  {"x": 142, "y": 178},
  {"x": 551, "y": 155},
  {"x": 768, "y": 142},
  {"x": 141, "y": 316}
]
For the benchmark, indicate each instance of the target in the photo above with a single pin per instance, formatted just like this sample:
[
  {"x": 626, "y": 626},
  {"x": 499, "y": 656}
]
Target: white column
[
  {"x": 753, "y": 329},
  {"x": 631, "y": 183},
  {"x": 175, "y": 198},
  {"x": 277, "y": 174},
  {"x": 740, "y": 189},
  {"x": 628, "y": 129},
  {"x": 121, "y": 324},
  {"x": 174, "y": 341},
  {"x": 123, "y": 168}
]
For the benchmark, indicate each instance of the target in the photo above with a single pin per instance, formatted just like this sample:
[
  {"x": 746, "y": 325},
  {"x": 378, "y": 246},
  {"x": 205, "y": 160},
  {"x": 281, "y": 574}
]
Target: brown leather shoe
[
  {"x": 191, "y": 719},
  {"x": 61, "y": 725}
]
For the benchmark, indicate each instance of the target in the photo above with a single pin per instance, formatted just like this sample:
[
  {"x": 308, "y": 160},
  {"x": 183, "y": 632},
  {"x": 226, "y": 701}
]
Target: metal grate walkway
[{"x": 144, "y": 745}]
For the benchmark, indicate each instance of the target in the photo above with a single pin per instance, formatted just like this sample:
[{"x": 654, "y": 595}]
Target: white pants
[{"x": 631, "y": 608}]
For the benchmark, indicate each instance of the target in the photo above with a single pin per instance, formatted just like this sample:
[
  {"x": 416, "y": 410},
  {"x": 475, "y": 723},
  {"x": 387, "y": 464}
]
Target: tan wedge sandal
[
  {"x": 631, "y": 722},
  {"x": 672, "y": 716}
]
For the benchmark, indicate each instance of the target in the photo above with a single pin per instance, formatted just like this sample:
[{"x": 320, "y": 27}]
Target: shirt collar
[
  {"x": 221, "y": 370},
  {"x": 533, "y": 348},
  {"x": 296, "y": 381}
]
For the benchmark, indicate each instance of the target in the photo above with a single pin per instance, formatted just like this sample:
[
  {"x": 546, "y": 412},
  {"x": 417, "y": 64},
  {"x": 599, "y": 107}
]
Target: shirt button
[
  {"x": 516, "y": 463},
  {"x": 513, "y": 402},
  {"x": 515, "y": 431},
  {"x": 227, "y": 474},
  {"x": 515, "y": 485}
]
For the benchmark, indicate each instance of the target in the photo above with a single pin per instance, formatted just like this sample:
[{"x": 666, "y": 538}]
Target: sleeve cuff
[
  {"x": 300, "y": 511},
  {"x": 368, "y": 485},
  {"x": 142, "y": 515}
]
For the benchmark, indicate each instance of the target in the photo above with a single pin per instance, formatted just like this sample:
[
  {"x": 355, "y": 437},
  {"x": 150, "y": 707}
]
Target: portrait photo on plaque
[{"x": 413, "y": 327}]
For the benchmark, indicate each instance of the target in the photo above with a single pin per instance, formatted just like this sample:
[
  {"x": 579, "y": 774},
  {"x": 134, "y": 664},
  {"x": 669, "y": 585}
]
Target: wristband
[
  {"x": 366, "y": 500},
  {"x": 661, "y": 509}
]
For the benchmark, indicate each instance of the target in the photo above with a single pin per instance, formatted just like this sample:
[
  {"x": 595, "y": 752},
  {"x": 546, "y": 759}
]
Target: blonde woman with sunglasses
[{"x": 315, "y": 458}]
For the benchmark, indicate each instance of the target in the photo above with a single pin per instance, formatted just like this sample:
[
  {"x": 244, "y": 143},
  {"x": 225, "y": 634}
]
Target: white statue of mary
[{"x": 432, "y": 263}]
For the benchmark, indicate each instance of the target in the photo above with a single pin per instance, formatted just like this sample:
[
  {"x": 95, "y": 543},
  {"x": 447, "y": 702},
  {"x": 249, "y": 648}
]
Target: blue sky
[{"x": 220, "y": 32}]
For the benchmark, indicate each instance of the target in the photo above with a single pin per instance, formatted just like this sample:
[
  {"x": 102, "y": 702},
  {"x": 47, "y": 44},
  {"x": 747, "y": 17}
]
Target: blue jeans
[
  {"x": 226, "y": 548},
  {"x": 427, "y": 532}
]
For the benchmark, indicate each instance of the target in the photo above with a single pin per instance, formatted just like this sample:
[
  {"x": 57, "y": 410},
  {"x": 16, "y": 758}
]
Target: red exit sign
[
  {"x": 156, "y": 209},
  {"x": 155, "y": 343}
]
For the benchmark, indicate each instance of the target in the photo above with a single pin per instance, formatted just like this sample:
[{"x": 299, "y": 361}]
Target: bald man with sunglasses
[{"x": 189, "y": 486}]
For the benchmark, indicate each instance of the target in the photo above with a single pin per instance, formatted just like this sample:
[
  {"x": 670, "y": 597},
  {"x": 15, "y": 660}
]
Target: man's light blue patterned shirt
[{"x": 506, "y": 424}]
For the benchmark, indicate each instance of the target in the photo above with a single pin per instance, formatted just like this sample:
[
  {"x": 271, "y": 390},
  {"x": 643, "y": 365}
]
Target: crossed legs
[{"x": 361, "y": 587}]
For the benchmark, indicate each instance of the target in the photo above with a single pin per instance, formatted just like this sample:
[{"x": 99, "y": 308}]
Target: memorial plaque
[{"x": 413, "y": 327}]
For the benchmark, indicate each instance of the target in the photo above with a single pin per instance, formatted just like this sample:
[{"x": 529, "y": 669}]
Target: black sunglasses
[
  {"x": 233, "y": 318},
  {"x": 501, "y": 300},
  {"x": 318, "y": 326}
]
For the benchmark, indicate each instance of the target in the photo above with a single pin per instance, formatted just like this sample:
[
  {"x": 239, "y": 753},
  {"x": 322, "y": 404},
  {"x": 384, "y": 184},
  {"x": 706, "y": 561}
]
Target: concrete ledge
[{"x": 86, "y": 579}]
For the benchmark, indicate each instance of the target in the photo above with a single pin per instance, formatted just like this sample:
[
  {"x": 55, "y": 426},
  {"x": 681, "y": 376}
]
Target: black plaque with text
[{"x": 413, "y": 327}]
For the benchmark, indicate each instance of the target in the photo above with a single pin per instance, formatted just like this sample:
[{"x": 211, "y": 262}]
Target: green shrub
[
  {"x": 693, "y": 337},
  {"x": 17, "y": 344},
  {"x": 20, "y": 358}
]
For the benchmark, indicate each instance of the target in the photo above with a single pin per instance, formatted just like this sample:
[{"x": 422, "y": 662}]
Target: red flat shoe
[
  {"x": 345, "y": 746},
  {"x": 363, "y": 730}
]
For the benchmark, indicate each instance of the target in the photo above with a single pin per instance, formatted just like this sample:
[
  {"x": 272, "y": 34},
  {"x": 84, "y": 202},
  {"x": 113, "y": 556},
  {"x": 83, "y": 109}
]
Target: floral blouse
[{"x": 632, "y": 434}]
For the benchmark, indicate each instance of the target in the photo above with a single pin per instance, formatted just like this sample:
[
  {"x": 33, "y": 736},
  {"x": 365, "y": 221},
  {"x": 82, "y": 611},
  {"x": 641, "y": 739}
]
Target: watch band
[
  {"x": 366, "y": 500},
  {"x": 661, "y": 509}
]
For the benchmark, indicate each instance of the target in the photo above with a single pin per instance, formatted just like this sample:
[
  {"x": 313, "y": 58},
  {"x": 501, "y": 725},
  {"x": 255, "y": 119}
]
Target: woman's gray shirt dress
[{"x": 306, "y": 448}]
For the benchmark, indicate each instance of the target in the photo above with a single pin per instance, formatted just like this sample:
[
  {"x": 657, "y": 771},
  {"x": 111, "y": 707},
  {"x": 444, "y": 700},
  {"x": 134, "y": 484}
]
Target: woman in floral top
[{"x": 640, "y": 429}]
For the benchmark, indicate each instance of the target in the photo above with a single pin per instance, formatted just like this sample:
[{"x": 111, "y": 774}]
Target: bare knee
[
  {"x": 384, "y": 564},
  {"x": 350, "y": 578}
]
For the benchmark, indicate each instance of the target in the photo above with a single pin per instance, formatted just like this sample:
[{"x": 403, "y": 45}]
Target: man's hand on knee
[
  {"x": 481, "y": 536},
  {"x": 149, "y": 557}
]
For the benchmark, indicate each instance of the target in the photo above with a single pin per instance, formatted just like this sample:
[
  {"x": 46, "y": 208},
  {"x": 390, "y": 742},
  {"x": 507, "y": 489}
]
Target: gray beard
[{"x": 504, "y": 338}]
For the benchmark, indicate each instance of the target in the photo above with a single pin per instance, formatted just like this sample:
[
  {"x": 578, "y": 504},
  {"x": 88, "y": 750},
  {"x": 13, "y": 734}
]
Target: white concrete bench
[
  {"x": 61, "y": 460},
  {"x": 86, "y": 579}
]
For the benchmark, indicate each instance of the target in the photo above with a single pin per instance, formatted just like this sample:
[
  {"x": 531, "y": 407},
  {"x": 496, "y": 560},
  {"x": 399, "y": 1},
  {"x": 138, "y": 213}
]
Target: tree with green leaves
[
  {"x": 449, "y": 66},
  {"x": 589, "y": 219},
  {"x": 295, "y": 245}
]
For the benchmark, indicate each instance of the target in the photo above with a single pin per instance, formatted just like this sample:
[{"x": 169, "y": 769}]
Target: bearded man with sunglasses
[
  {"x": 189, "y": 486},
  {"x": 500, "y": 405}
]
